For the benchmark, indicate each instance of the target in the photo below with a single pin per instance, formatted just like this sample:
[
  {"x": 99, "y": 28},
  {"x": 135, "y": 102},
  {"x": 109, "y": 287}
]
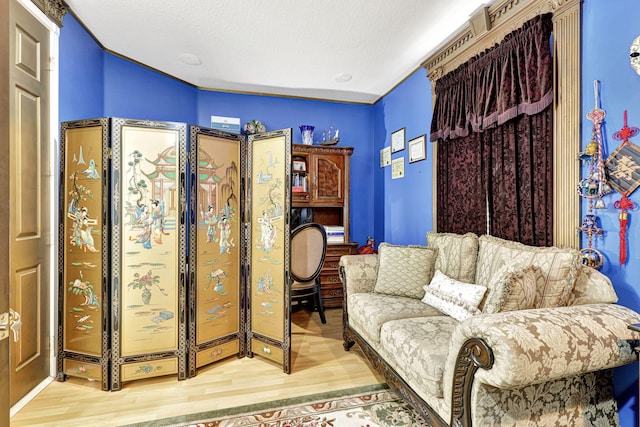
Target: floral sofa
[{"x": 487, "y": 332}]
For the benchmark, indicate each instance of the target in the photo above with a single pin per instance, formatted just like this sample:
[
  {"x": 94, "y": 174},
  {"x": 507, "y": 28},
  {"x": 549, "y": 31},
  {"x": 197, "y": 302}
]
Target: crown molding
[
  {"x": 486, "y": 28},
  {"x": 53, "y": 9}
]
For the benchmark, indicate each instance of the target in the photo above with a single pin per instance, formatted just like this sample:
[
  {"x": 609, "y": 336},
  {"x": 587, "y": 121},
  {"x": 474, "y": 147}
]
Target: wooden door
[
  {"x": 4, "y": 212},
  {"x": 328, "y": 179},
  {"x": 29, "y": 196}
]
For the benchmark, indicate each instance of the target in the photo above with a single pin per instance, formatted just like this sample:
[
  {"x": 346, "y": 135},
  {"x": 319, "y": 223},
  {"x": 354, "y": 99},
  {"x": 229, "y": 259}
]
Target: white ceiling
[{"x": 279, "y": 47}]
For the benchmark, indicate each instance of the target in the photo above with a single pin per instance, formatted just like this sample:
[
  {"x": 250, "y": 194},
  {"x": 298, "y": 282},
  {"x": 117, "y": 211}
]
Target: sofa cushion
[
  {"x": 592, "y": 287},
  {"x": 457, "y": 254},
  {"x": 404, "y": 270},
  {"x": 418, "y": 349},
  {"x": 559, "y": 267},
  {"x": 369, "y": 311},
  {"x": 516, "y": 290},
  {"x": 454, "y": 298}
]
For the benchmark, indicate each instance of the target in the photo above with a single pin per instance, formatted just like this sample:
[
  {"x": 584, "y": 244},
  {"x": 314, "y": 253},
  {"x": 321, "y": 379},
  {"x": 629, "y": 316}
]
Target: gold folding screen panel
[
  {"x": 269, "y": 171},
  {"x": 215, "y": 246},
  {"x": 83, "y": 297},
  {"x": 148, "y": 334}
]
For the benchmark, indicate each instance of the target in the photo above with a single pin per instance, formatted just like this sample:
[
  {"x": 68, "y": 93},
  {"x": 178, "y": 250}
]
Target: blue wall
[
  {"x": 136, "y": 92},
  {"x": 94, "y": 84},
  {"x": 609, "y": 29},
  {"x": 405, "y": 203},
  {"x": 81, "y": 73},
  {"x": 354, "y": 121}
]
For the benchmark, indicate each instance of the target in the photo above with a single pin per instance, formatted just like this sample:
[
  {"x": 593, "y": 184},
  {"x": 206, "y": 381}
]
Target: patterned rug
[{"x": 358, "y": 407}]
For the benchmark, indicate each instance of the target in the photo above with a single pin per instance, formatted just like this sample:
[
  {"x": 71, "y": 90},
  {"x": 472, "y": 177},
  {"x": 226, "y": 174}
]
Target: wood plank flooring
[{"x": 319, "y": 364}]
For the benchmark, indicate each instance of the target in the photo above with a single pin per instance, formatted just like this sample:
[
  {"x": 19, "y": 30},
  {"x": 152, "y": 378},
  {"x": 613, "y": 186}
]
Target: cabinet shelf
[{"x": 325, "y": 200}]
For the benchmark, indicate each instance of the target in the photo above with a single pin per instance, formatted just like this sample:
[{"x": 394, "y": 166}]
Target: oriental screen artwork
[
  {"x": 269, "y": 240},
  {"x": 149, "y": 218},
  {"x": 216, "y": 219},
  {"x": 82, "y": 204}
]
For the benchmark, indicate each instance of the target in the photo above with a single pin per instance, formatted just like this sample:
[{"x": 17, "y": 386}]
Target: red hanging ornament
[
  {"x": 626, "y": 132},
  {"x": 623, "y": 204},
  {"x": 622, "y": 167}
]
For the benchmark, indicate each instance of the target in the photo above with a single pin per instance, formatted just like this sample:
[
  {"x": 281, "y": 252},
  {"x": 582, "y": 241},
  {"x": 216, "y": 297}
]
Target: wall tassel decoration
[{"x": 623, "y": 169}]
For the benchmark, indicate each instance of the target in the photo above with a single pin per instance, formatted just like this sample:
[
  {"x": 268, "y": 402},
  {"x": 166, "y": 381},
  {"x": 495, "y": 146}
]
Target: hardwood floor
[{"x": 319, "y": 364}]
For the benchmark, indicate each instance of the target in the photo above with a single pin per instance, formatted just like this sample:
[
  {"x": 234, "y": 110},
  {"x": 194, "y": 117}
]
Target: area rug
[{"x": 358, "y": 407}]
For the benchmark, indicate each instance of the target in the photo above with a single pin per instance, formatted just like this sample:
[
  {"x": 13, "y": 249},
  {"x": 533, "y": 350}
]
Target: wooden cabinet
[
  {"x": 320, "y": 193},
  {"x": 331, "y": 286}
]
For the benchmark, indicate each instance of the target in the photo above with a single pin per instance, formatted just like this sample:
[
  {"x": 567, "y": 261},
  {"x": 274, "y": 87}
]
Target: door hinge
[{"x": 10, "y": 321}]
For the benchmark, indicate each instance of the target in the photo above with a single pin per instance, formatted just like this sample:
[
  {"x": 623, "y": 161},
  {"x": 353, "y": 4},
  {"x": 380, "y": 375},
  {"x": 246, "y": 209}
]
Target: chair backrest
[{"x": 308, "y": 250}]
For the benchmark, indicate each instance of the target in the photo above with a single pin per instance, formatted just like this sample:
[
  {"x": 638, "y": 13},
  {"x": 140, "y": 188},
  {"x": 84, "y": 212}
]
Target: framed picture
[
  {"x": 385, "y": 157},
  {"x": 397, "y": 140},
  {"x": 417, "y": 149},
  {"x": 397, "y": 168}
]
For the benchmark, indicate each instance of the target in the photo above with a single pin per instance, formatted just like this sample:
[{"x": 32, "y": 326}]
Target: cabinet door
[{"x": 328, "y": 188}]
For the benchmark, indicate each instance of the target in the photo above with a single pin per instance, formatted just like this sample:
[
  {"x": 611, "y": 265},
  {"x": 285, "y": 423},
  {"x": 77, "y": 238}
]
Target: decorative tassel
[{"x": 623, "y": 204}]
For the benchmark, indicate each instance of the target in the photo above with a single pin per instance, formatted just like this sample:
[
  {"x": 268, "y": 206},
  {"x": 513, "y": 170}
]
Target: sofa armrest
[
  {"x": 536, "y": 346},
  {"x": 358, "y": 273}
]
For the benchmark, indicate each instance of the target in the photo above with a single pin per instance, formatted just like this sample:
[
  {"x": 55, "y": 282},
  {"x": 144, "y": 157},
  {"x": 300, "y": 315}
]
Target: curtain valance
[{"x": 512, "y": 78}]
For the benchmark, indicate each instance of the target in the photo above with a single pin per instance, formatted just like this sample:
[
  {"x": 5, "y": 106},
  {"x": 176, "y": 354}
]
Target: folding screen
[
  {"x": 269, "y": 199},
  {"x": 83, "y": 247},
  {"x": 148, "y": 250},
  {"x": 127, "y": 309},
  {"x": 216, "y": 310}
]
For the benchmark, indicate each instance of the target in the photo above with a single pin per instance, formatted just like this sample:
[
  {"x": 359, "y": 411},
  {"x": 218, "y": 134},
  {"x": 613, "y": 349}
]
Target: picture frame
[
  {"x": 417, "y": 149},
  {"x": 397, "y": 168},
  {"x": 385, "y": 157},
  {"x": 398, "y": 139}
]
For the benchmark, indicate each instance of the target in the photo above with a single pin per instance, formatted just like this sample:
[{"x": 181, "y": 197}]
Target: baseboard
[{"x": 33, "y": 393}]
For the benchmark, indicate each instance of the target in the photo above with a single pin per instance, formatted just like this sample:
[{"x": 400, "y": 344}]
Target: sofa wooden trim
[{"x": 474, "y": 354}]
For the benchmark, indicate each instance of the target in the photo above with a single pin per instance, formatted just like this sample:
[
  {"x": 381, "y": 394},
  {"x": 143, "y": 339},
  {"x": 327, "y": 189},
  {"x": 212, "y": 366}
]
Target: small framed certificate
[
  {"x": 397, "y": 168},
  {"x": 417, "y": 149},
  {"x": 385, "y": 157},
  {"x": 397, "y": 140}
]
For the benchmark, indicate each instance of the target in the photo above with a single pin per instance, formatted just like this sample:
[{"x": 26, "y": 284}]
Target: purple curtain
[
  {"x": 493, "y": 124},
  {"x": 461, "y": 187}
]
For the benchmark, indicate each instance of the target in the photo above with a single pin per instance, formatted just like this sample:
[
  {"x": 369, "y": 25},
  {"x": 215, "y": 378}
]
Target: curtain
[
  {"x": 461, "y": 187},
  {"x": 492, "y": 121},
  {"x": 520, "y": 184}
]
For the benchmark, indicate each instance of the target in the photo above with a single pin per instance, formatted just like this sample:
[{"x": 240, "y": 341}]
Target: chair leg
[{"x": 323, "y": 319}]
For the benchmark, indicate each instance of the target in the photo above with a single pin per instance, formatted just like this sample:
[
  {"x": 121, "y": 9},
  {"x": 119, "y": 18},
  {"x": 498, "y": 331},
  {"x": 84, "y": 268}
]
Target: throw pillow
[
  {"x": 404, "y": 270},
  {"x": 516, "y": 290},
  {"x": 559, "y": 267},
  {"x": 457, "y": 254},
  {"x": 592, "y": 287},
  {"x": 452, "y": 297}
]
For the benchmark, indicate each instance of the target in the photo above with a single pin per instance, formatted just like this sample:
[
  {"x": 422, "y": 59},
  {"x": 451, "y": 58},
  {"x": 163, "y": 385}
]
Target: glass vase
[{"x": 307, "y": 134}]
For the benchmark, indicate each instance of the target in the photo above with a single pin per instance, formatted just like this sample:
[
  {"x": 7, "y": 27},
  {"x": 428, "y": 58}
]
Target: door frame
[
  {"x": 53, "y": 69},
  {"x": 4, "y": 209}
]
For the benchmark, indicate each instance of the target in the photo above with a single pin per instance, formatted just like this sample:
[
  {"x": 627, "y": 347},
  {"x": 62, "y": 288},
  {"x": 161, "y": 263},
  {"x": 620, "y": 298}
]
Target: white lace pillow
[{"x": 457, "y": 299}]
